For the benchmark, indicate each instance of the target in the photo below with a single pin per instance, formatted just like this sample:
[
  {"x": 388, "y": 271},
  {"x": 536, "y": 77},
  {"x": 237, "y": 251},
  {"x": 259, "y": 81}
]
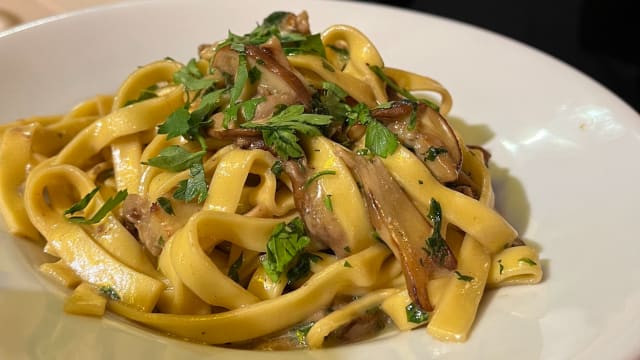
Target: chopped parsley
[
  {"x": 104, "y": 210},
  {"x": 193, "y": 187},
  {"x": 436, "y": 247},
  {"x": 302, "y": 331},
  {"x": 175, "y": 158},
  {"x": 286, "y": 242},
  {"x": 280, "y": 131},
  {"x": 501, "y": 267},
  {"x": 462, "y": 277},
  {"x": 433, "y": 152},
  {"x": 528, "y": 261},
  {"x": 342, "y": 54},
  {"x": 109, "y": 292},
  {"x": 165, "y": 204},
  {"x": 378, "y": 139},
  {"x": 315, "y": 176},
  {"x": 145, "y": 94},
  {"x": 404, "y": 92},
  {"x": 191, "y": 77},
  {"x": 347, "y": 264},
  {"x": 416, "y": 314},
  {"x": 235, "y": 268},
  {"x": 302, "y": 267},
  {"x": 328, "y": 204},
  {"x": 277, "y": 168}
]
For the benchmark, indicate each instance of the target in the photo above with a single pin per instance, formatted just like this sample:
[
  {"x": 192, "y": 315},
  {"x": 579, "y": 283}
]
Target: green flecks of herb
[
  {"x": 191, "y": 77},
  {"x": 302, "y": 331},
  {"x": 248, "y": 108},
  {"x": 362, "y": 152},
  {"x": 342, "y": 54},
  {"x": 527, "y": 261},
  {"x": 285, "y": 243},
  {"x": 415, "y": 314},
  {"x": 386, "y": 105},
  {"x": 420, "y": 182},
  {"x": 347, "y": 264},
  {"x": 413, "y": 117},
  {"x": 109, "y": 292},
  {"x": 327, "y": 66},
  {"x": 83, "y": 203},
  {"x": 380, "y": 140},
  {"x": 436, "y": 247},
  {"x": 165, "y": 204},
  {"x": 334, "y": 89},
  {"x": 175, "y": 158},
  {"x": 311, "y": 44},
  {"x": 328, "y": 204},
  {"x": 235, "y": 268},
  {"x": 145, "y": 94},
  {"x": 347, "y": 249},
  {"x": 193, "y": 187},
  {"x": 461, "y": 277},
  {"x": 277, "y": 168},
  {"x": 254, "y": 74},
  {"x": 433, "y": 152},
  {"x": 240, "y": 80},
  {"x": 301, "y": 267},
  {"x": 161, "y": 241},
  {"x": 380, "y": 73},
  {"x": 500, "y": 266},
  {"x": 279, "y": 132},
  {"x": 315, "y": 176},
  {"x": 104, "y": 210}
]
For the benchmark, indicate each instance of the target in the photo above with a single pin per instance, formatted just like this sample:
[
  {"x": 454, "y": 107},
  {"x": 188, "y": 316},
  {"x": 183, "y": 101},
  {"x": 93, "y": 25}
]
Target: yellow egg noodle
[{"x": 283, "y": 190}]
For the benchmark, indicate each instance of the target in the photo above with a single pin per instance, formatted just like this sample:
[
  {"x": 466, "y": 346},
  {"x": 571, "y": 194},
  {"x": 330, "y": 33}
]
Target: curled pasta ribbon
[
  {"x": 269, "y": 315},
  {"x": 146, "y": 76},
  {"x": 314, "y": 67},
  {"x": 104, "y": 254},
  {"x": 344, "y": 315},
  {"x": 415, "y": 82},
  {"x": 362, "y": 54},
  {"x": 121, "y": 122}
]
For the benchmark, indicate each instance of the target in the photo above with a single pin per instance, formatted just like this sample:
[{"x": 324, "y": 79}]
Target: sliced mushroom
[
  {"x": 321, "y": 224},
  {"x": 398, "y": 223},
  {"x": 154, "y": 226},
  {"x": 432, "y": 140}
]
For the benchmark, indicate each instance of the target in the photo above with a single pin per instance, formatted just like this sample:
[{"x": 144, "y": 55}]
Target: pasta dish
[{"x": 284, "y": 189}]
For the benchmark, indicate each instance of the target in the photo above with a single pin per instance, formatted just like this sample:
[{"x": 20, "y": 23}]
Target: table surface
[{"x": 593, "y": 36}]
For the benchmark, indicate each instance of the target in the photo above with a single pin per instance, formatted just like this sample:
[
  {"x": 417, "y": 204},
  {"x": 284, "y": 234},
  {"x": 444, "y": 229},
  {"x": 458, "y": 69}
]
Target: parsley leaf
[
  {"x": 302, "y": 331},
  {"x": 380, "y": 140},
  {"x": 462, "y": 277},
  {"x": 194, "y": 186},
  {"x": 82, "y": 204},
  {"x": 285, "y": 243},
  {"x": 315, "y": 176},
  {"x": 235, "y": 267},
  {"x": 109, "y": 292},
  {"x": 415, "y": 314},
  {"x": 177, "y": 124},
  {"x": 436, "y": 247},
  {"x": 145, "y": 94},
  {"x": 175, "y": 158},
  {"x": 527, "y": 261},
  {"x": 280, "y": 131},
  {"x": 343, "y": 55},
  {"x": 328, "y": 204},
  {"x": 404, "y": 92},
  {"x": 433, "y": 152},
  {"x": 191, "y": 77},
  {"x": 165, "y": 204},
  {"x": 277, "y": 168},
  {"x": 104, "y": 210},
  {"x": 302, "y": 267}
]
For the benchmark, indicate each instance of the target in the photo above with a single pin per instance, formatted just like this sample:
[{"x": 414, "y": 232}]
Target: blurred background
[{"x": 598, "y": 37}]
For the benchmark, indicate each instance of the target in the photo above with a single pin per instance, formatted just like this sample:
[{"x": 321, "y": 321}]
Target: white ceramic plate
[{"x": 563, "y": 161}]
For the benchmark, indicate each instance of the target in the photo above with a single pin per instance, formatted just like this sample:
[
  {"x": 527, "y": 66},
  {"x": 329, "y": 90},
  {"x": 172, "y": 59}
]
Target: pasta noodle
[{"x": 283, "y": 190}]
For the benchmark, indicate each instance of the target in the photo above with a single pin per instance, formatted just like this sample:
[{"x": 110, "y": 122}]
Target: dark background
[{"x": 599, "y": 37}]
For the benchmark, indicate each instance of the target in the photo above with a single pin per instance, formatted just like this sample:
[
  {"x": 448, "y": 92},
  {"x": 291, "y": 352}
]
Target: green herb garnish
[
  {"x": 193, "y": 187},
  {"x": 528, "y": 261},
  {"x": 436, "y": 247},
  {"x": 234, "y": 268},
  {"x": 285, "y": 243},
  {"x": 109, "y": 292},
  {"x": 328, "y": 204},
  {"x": 315, "y": 176},
  {"x": 104, "y": 210},
  {"x": 462, "y": 277},
  {"x": 175, "y": 158},
  {"x": 416, "y": 314},
  {"x": 433, "y": 152},
  {"x": 165, "y": 204}
]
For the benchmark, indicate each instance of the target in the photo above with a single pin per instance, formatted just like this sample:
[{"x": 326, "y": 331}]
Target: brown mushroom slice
[
  {"x": 277, "y": 76},
  {"x": 398, "y": 223},
  {"x": 432, "y": 140},
  {"x": 321, "y": 224}
]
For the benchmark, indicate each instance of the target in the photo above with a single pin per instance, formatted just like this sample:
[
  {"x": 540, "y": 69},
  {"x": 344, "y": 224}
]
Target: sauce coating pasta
[{"x": 282, "y": 190}]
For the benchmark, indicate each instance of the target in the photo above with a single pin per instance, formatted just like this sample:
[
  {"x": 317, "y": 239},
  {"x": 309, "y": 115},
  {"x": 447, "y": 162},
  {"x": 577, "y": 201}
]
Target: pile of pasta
[{"x": 283, "y": 185}]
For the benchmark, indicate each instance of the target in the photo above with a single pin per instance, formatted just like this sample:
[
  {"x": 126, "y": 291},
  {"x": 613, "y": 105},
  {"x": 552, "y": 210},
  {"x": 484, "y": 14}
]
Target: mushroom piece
[
  {"x": 154, "y": 226},
  {"x": 277, "y": 83},
  {"x": 432, "y": 140},
  {"x": 398, "y": 223},
  {"x": 321, "y": 224}
]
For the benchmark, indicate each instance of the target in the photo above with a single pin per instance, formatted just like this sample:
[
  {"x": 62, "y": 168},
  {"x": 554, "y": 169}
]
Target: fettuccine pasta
[{"x": 282, "y": 190}]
